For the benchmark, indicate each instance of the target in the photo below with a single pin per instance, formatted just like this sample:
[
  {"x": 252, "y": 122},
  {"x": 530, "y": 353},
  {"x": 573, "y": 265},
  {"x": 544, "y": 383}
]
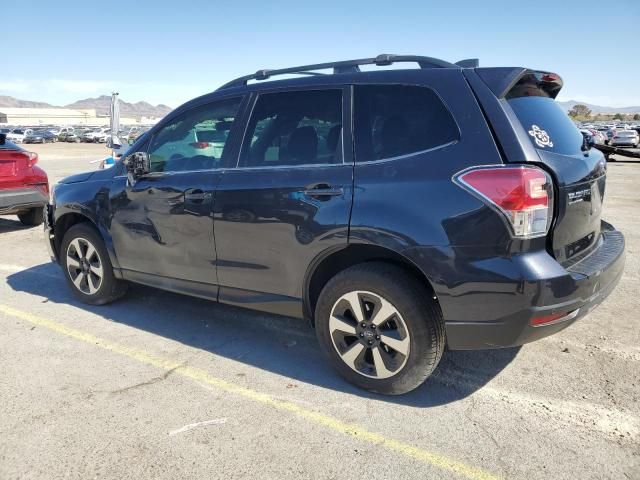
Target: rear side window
[
  {"x": 396, "y": 120},
  {"x": 548, "y": 126}
]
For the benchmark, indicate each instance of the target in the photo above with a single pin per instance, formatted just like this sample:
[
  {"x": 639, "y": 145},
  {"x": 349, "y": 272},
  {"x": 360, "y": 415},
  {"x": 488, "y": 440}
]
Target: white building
[{"x": 56, "y": 116}]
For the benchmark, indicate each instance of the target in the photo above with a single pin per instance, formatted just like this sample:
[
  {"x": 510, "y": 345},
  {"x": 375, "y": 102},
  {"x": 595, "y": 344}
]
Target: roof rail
[{"x": 344, "y": 66}]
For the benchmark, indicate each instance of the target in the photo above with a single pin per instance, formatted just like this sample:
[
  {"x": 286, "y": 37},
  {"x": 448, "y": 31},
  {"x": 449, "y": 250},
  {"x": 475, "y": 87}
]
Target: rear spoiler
[{"x": 501, "y": 80}]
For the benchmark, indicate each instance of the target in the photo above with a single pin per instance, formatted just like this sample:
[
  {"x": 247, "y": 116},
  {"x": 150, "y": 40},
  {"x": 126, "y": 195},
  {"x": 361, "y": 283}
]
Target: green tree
[
  {"x": 580, "y": 110},
  {"x": 636, "y": 116},
  {"x": 618, "y": 116}
]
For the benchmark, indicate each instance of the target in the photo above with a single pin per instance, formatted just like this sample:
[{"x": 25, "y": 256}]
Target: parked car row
[
  {"x": 70, "y": 134},
  {"x": 617, "y": 135}
]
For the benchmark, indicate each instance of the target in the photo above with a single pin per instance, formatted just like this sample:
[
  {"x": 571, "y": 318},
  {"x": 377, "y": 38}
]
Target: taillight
[
  {"x": 200, "y": 145},
  {"x": 29, "y": 158},
  {"x": 524, "y": 196},
  {"x": 32, "y": 158}
]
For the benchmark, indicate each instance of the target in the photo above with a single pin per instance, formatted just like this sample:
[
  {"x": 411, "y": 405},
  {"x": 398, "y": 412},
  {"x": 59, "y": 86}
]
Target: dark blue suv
[{"x": 400, "y": 210}]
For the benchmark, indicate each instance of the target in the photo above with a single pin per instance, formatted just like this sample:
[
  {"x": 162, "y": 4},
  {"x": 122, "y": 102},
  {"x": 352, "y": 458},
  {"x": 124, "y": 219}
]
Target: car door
[
  {"x": 287, "y": 201},
  {"x": 162, "y": 225}
]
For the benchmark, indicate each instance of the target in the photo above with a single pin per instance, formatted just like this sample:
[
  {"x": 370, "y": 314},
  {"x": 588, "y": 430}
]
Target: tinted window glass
[
  {"x": 294, "y": 128},
  {"x": 7, "y": 145},
  {"x": 395, "y": 120},
  {"x": 548, "y": 126},
  {"x": 194, "y": 140}
]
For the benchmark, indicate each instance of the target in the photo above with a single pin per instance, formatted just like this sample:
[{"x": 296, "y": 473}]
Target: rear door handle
[
  {"x": 195, "y": 195},
  {"x": 322, "y": 190}
]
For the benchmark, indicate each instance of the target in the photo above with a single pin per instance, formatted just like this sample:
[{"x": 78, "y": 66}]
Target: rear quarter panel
[{"x": 411, "y": 205}]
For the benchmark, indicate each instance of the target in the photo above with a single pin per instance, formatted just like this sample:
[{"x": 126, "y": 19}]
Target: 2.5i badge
[{"x": 540, "y": 136}]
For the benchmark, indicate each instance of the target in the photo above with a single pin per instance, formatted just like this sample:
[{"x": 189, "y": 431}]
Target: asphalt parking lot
[{"x": 162, "y": 386}]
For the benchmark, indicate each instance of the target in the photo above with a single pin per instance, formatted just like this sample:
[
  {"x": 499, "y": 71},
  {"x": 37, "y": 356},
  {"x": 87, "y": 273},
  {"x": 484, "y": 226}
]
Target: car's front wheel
[
  {"x": 87, "y": 266},
  {"x": 380, "y": 328}
]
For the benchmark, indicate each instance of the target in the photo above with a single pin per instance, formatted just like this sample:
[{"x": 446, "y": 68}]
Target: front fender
[{"x": 89, "y": 200}]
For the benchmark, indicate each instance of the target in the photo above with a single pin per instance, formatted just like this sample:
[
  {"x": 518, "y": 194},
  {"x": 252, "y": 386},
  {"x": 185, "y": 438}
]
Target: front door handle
[
  {"x": 320, "y": 190},
  {"x": 195, "y": 195}
]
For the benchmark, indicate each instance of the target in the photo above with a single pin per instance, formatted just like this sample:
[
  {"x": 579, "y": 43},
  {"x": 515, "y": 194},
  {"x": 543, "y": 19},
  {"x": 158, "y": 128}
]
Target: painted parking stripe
[{"x": 201, "y": 376}]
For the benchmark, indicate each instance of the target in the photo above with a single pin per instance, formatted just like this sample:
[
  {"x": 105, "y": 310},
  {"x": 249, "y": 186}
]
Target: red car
[{"x": 24, "y": 188}]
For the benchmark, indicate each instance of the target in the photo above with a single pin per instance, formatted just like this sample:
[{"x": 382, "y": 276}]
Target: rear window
[
  {"x": 7, "y": 145},
  {"x": 548, "y": 126},
  {"x": 627, "y": 134},
  {"x": 396, "y": 120}
]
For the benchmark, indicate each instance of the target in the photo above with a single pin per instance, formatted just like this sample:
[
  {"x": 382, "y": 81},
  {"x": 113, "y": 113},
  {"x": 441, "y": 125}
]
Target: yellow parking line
[{"x": 202, "y": 376}]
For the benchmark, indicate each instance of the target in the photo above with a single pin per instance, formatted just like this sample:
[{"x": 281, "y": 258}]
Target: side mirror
[
  {"x": 137, "y": 164},
  {"x": 591, "y": 141},
  {"x": 132, "y": 141}
]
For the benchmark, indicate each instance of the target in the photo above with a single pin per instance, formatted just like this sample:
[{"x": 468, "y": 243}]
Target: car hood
[
  {"x": 78, "y": 177},
  {"x": 97, "y": 175}
]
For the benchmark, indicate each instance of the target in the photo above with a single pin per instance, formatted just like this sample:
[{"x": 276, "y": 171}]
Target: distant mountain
[
  {"x": 11, "y": 102},
  {"x": 100, "y": 104},
  {"x": 568, "y": 105}
]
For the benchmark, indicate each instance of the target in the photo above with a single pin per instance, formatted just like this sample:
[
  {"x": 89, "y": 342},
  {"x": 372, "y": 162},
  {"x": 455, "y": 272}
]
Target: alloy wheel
[
  {"x": 84, "y": 266},
  {"x": 369, "y": 334}
]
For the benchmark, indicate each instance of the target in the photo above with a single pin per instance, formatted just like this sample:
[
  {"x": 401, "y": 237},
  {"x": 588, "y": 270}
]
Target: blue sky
[{"x": 170, "y": 51}]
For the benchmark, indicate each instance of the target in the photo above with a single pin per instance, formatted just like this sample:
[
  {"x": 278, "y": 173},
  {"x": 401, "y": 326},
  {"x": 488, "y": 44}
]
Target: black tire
[
  {"x": 33, "y": 217},
  {"x": 109, "y": 287},
  {"x": 418, "y": 312}
]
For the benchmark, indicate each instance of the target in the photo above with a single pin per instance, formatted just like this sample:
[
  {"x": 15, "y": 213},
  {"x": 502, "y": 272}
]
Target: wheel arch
[
  {"x": 67, "y": 220},
  {"x": 333, "y": 262}
]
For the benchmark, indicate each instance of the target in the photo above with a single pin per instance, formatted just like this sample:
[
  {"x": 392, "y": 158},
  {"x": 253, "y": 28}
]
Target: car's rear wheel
[
  {"x": 87, "y": 266},
  {"x": 380, "y": 328},
  {"x": 33, "y": 217}
]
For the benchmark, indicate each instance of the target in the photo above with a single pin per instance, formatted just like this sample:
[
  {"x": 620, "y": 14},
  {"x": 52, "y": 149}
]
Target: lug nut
[
  {"x": 364, "y": 325},
  {"x": 370, "y": 342},
  {"x": 361, "y": 334},
  {"x": 377, "y": 337}
]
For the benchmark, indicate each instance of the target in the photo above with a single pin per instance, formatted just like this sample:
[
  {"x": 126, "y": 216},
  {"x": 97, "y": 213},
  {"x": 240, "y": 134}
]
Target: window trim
[
  {"x": 253, "y": 101},
  {"x": 406, "y": 155}
]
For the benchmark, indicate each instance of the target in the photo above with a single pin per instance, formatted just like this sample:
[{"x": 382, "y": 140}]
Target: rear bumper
[
  {"x": 543, "y": 289},
  {"x": 18, "y": 200}
]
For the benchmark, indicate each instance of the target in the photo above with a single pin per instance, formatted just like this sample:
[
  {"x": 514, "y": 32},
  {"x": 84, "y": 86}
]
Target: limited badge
[{"x": 540, "y": 136}]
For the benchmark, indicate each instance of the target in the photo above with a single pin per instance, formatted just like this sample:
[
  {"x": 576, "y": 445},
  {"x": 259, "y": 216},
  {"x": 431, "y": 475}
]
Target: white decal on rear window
[{"x": 540, "y": 136}]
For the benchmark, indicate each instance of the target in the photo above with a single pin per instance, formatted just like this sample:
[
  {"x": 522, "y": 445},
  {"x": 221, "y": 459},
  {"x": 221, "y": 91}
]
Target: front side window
[
  {"x": 194, "y": 140},
  {"x": 294, "y": 128},
  {"x": 396, "y": 120}
]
